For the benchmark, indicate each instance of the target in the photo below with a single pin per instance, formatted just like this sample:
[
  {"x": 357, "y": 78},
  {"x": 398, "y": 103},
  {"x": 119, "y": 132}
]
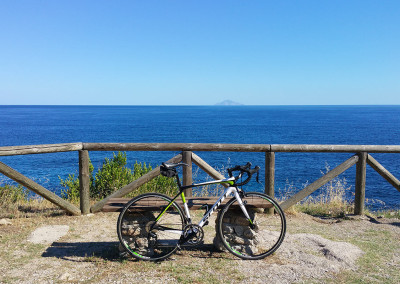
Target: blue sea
[{"x": 375, "y": 125}]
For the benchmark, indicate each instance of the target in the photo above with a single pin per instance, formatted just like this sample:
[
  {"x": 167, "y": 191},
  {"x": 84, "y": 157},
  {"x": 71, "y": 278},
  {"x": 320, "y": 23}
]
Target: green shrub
[
  {"x": 11, "y": 194},
  {"x": 160, "y": 184},
  {"x": 71, "y": 185},
  {"x": 113, "y": 175}
]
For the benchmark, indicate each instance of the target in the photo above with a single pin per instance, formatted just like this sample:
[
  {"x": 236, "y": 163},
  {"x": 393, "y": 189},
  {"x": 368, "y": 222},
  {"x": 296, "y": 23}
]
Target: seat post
[{"x": 178, "y": 181}]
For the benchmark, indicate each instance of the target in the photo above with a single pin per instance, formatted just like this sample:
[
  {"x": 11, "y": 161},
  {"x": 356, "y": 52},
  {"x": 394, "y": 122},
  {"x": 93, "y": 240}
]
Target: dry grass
[
  {"x": 15, "y": 202},
  {"x": 331, "y": 200},
  {"x": 89, "y": 254}
]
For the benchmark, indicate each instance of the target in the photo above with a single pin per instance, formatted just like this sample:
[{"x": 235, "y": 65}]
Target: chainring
[{"x": 193, "y": 234}]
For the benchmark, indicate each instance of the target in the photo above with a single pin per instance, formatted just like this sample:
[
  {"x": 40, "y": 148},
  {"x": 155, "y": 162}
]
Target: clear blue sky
[{"x": 199, "y": 52}]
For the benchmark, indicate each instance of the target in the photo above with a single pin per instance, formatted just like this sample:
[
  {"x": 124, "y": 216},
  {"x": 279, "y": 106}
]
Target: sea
[{"x": 363, "y": 125}]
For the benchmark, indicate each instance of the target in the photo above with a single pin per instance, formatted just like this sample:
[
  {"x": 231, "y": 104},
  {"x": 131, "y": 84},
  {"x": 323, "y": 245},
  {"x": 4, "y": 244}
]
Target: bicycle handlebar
[{"x": 243, "y": 169}]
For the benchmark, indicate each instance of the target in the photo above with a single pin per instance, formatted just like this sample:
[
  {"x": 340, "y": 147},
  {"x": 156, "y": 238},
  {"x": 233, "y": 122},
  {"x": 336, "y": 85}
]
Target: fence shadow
[{"x": 83, "y": 251}]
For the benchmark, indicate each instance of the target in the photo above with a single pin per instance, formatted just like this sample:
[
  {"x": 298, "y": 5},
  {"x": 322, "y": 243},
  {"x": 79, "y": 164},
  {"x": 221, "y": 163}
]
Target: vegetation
[
  {"x": 12, "y": 194},
  {"x": 15, "y": 201},
  {"x": 113, "y": 175},
  {"x": 331, "y": 199}
]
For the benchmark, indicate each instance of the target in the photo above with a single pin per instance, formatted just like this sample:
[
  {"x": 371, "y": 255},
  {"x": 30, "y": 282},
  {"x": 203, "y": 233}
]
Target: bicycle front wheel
[
  {"x": 150, "y": 226},
  {"x": 255, "y": 238}
]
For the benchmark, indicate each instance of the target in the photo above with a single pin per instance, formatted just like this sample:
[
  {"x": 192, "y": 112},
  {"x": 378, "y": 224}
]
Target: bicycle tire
[
  {"x": 142, "y": 235},
  {"x": 248, "y": 241}
]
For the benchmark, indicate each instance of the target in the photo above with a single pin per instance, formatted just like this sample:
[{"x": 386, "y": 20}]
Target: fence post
[
  {"x": 84, "y": 181},
  {"x": 187, "y": 172},
  {"x": 270, "y": 176},
  {"x": 361, "y": 170}
]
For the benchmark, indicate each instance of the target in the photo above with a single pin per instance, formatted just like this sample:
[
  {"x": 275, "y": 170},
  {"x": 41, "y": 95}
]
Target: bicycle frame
[{"x": 229, "y": 190}]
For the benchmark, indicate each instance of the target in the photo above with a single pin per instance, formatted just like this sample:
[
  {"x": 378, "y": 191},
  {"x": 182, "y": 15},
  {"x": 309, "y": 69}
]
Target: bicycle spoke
[
  {"x": 251, "y": 241},
  {"x": 142, "y": 235}
]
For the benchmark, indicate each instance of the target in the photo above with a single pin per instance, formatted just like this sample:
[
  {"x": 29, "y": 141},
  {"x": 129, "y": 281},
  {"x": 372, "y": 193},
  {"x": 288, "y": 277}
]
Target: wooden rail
[
  {"x": 361, "y": 159},
  {"x": 194, "y": 203}
]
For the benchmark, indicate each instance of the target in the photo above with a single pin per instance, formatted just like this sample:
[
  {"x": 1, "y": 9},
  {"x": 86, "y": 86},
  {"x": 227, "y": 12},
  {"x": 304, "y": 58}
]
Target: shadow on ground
[
  {"x": 83, "y": 251},
  {"x": 376, "y": 221},
  {"x": 79, "y": 250}
]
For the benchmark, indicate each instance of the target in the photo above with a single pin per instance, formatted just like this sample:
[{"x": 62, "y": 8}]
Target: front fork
[{"x": 239, "y": 196}]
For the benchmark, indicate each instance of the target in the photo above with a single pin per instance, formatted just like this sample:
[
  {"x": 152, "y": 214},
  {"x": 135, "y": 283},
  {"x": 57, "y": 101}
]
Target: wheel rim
[
  {"x": 143, "y": 234},
  {"x": 257, "y": 240}
]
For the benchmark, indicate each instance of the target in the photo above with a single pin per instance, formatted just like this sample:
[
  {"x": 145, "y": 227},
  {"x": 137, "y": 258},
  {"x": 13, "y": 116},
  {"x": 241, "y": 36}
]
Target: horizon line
[{"x": 216, "y": 105}]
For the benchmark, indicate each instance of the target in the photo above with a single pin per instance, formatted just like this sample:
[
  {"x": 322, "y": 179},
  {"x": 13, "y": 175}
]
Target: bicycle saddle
[{"x": 173, "y": 165}]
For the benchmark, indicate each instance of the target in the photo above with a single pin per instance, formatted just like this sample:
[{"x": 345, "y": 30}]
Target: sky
[{"x": 199, "y": 52}]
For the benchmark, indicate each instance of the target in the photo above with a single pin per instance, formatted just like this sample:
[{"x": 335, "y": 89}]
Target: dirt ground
[{"x": 84, "y": 249}]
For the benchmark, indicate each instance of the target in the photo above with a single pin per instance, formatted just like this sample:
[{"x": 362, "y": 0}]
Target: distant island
[{"x": 228, "y": 103}]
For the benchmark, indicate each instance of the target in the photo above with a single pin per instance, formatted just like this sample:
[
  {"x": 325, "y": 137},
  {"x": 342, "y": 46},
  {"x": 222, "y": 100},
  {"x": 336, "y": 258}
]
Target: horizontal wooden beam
[
  {"x": 38, "y": 189},
  {"x": 218, "y": 147},
  {"x": 335, "y": 148},
  {"x": 39, "y": 149},
  {"x": 319, "y": 182},
  {"x": 176, "y": 147},
  {"x": 133, "y": 185},
  {"x": 383, "y": 172},
  {"x": 194, "y": 203}
]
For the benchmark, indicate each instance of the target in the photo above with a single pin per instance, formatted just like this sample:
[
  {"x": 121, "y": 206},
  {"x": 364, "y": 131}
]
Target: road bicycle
[{"x": 251, "y": 225}]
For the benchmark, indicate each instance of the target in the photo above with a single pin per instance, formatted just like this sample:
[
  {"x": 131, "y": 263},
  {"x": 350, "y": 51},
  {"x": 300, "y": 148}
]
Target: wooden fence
[{"x": 361, "y": 157}]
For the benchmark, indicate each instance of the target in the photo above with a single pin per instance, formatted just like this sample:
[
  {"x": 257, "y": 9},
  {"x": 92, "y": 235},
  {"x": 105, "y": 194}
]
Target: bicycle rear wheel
[
  {"x": 148, "y": 228},
  {"x": 253, "y": 239}
]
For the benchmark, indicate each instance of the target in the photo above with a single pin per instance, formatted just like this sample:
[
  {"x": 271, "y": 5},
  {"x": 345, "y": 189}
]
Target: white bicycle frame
[{"x": 229, "y": 190}]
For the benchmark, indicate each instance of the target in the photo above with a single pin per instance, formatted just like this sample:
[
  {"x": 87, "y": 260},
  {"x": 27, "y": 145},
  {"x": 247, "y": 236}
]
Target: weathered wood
[
  {"x": 39, "y": 149},
  {"x": 383, "y": 172},
  {"x": 133, "y": 185},
  {"x": 176, "y": 147},
  {"x": 319, "y": 182},
  {"x": 187, "y": 172},
  {"x": 270, "y": 175},
  {"x": 84, "y": 181},
  {"x": 38, "y": 189},
  {"x": 207, "y": 168},
  {"x": 361, "y": 172},
  {"x": 335, "y": 148},
  {"x": 194, "y": 203},
  {"x": 66, "y": 147}
]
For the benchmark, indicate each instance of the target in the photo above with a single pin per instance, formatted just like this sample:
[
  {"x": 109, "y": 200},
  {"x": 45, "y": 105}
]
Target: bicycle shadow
[
  {"x": 83, "y": 251},
  {"x": 90, "y": 251},
  {"x": 204, "y": 251}
]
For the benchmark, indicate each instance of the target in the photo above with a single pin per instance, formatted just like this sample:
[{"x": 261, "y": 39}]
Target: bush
[
  {"x": 113, "y": 175},
  {"x": 71, "y": 185},
  {"x": 12, "y": 194}
]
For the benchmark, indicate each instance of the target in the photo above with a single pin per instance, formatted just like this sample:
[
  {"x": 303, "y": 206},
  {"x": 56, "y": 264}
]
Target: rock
[
  {"x": 48, "y": 234},
  {"x": 65, "y": 277},
  {"x": 4, "y": 222}
]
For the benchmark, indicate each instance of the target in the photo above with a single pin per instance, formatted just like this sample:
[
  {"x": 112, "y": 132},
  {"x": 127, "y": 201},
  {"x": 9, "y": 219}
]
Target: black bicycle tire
[
  {"x": 121, "y": 217},
  {"x": 273, "y": 248}
]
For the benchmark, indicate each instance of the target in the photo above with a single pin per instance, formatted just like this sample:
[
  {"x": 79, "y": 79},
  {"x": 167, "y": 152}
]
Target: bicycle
[{"x": 251, "y": 225}]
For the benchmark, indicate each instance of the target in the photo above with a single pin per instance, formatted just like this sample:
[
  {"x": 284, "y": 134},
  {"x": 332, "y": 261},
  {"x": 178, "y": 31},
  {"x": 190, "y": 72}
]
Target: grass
[
  {"x": 377, "y": 265},
  {"x": 15, "y": 202},
  {"x": 331, "y": 200}
]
